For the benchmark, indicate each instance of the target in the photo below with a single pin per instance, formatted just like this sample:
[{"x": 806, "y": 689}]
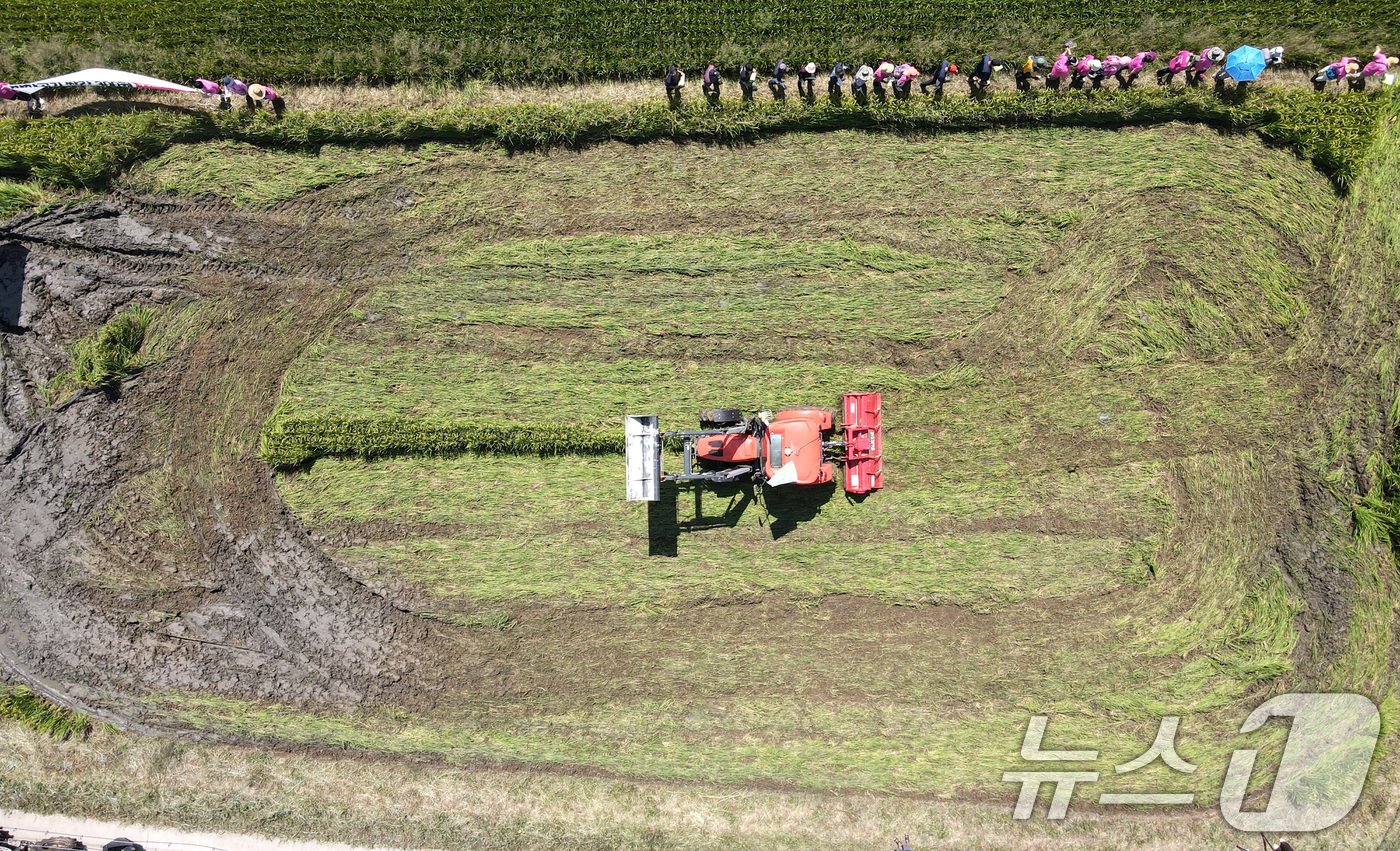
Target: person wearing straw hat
[
  {"x": 860, "y": 84},
  {"x": 259, "y": 94},
  {"x": 807, "y": 80},
  {"x": 1204, "y": 61},
  {"x": 938, "y": 78}
]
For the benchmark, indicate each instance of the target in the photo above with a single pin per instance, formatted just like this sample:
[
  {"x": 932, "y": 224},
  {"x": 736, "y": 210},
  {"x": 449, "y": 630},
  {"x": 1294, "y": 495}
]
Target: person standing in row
[
  {"x": 980, "y": 77},
  {"x": 748, "y": 79},
  {"x": 833, "y": 80},
  {"x": 776, "y": 84},
  {"x": 1084, "y": 69},
  {"x": 1176, "y": 65},
  {"x": 1061, "y": 70},
  {"x": 806, "y": 81},
  {"x": 259, "y": 94},
  {"x": 1030, "y": 70},
  {"x": 860, "y": 84},
  {"x": 1128, "y": 74},
  {"x": 904, "y": 77},
  {"x": 1379, "y": 66},
  {"x": 674, "y": 80},
  {"x": 1203, "y": 62},
  {"x": 212, "y": 89},
  {"x": 884, "y": 71},
  {"x": 709, "y": 82}
]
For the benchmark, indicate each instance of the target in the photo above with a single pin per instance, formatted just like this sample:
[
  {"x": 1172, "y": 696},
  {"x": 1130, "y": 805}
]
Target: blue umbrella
[{"x": 1245, "y": 64}]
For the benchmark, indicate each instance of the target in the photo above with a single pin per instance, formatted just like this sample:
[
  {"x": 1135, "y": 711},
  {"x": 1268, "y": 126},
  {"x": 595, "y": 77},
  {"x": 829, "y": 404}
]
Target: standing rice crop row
[
  {"x": 398, "y": 40},
  {"x": 1335, "y": 132}
]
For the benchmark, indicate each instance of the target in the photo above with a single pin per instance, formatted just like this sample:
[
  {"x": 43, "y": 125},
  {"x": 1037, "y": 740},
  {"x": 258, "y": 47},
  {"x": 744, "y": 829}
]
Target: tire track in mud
[{"x": 261, "y": 611}]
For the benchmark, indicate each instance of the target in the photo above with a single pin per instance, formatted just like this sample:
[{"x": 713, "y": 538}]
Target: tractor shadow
[
  {"x": 13, "y": 260},
  {"x": 709, "y": 506}
]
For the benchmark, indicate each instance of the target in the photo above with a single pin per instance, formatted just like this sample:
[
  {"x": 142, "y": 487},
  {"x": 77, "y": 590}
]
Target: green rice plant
[
  {"x": 344, "y": 41},
  {"x": 23, "y": 704},
  {"x": 20, "y": 197},
  {"x": 289, "y": 441},
  {"x": 92, "y": 150},
  {"x": 106, "y": 357}
]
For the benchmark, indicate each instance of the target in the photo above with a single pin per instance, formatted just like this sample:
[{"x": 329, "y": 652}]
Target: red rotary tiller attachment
[{"x": 862, "y": 425}]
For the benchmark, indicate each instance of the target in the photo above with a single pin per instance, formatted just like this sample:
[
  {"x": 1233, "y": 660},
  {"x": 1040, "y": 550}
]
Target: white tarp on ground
[{"x": 104, "y": 77}]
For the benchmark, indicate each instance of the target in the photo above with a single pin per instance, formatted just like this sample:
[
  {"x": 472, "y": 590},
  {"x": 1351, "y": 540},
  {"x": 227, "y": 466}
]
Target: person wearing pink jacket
[
  {"x": 1379, "y": 66},
  {"x": 1335, "y": 71},
  {"x": 33, "y": 101},
  {"x": 1128, "y": 74},
  {"x": 1084, "y": 69},
  {"x": 1176, "y": 65},
  {"x": 1203, "y": 62},
  {"x": 210, "y": 88},
  {"x": 1059, "y": 71},
  {"x": 883, "y": 72},
  {"x": 904, "y": 78}
]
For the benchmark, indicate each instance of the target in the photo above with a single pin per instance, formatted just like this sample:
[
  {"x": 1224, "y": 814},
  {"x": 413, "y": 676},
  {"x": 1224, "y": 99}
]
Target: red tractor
[{"x": 795, "y": 446}]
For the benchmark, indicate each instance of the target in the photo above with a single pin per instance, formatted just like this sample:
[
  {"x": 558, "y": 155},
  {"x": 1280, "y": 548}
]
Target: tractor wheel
[{"x": 721, "y": 417}]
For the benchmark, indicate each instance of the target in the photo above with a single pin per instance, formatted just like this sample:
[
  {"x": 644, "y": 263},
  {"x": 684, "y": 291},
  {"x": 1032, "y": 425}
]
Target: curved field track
[{"x": 1131, "y": 393}]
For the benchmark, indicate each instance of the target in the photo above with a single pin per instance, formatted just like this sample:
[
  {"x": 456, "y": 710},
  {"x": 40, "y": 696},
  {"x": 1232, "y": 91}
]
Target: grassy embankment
[{"x": 341, "y": 40}]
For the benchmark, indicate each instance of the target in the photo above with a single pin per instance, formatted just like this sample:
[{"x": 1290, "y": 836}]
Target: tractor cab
[{"x": 794, "y": 448}]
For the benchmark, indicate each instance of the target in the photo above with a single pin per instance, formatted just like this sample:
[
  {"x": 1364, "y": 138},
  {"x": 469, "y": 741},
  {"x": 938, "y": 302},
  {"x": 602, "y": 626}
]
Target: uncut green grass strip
[{"x": 1334, "y": 132}]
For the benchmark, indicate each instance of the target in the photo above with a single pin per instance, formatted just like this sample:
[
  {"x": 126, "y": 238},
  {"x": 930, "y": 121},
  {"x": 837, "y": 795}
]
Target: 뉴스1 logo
[{"x": 1318, "y": 780}]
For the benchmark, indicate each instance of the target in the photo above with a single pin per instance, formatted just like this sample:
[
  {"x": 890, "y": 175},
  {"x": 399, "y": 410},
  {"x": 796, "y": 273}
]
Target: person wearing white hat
[
  {"x": 860, "y": 85},
  {"x": 806, "y": 80}
]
